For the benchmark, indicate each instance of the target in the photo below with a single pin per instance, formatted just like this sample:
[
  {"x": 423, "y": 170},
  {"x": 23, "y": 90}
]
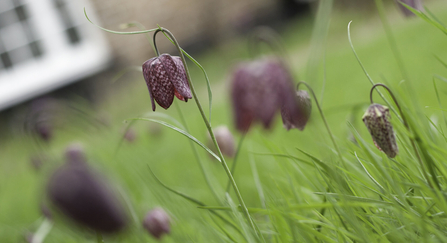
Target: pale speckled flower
[
  {"x": 224, "y": 139},
  {"x": 165, "y": 77},
  {"x": 377, "y": 120},
  {"x": 259, "y": 89},
  {"x": 157, "y": 222}
]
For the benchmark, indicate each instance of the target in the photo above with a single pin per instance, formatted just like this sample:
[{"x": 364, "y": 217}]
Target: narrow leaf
[{"x": 192, "y": 138}]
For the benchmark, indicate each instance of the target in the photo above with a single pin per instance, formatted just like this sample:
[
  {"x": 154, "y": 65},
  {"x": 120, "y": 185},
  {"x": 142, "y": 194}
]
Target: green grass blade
[
  {"x": 428, "y": 19},
  {"x": 184, "y": 133},
  {"x": 193, "y": 200}
]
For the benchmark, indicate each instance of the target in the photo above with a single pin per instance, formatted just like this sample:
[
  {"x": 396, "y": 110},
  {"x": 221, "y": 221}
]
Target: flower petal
[
  {"x": 160, "y": 85},
  {"x": 181, "y": 81},
  {"x": 146, "y": 75}
]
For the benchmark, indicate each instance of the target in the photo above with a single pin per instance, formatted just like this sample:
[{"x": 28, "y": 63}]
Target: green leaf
[
  {"x": 192, "y": 138},
  {"x": 428, "y": 19}
]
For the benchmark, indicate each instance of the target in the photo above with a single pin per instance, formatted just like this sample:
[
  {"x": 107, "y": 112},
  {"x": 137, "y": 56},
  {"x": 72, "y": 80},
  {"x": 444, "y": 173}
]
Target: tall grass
[{"x": 295, "y": 185}]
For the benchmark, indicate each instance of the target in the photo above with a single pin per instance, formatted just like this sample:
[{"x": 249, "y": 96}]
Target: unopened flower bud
[
  {"x": 298, "y": 115},
  {"x": 80, "y": 194},
  {"x": 377, "y": 120},
  {"x": 157, "y": 222},
  {"x": 224, "y": 139}
]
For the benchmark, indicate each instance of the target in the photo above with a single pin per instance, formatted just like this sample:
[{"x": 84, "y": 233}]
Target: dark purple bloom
[
  {"x": 157, "y": 222},
  {"x": 299, "y": 118},
  {"x": 377, "y": 120},
  {"x": 416, "y": 4},
  {"x": 165, "y": 77},
  {"x": 259, "y": 89},
  {"x": 84, "y": 197}
]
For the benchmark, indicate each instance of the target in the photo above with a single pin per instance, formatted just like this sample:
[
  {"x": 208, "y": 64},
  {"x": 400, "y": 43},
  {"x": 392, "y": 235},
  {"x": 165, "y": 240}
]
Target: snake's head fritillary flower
[
  {"x": 298, "y": 115},
  {"x": 259, "y": 89},
  {"x": 81, "y": 194},
  {"x": 377, "y": 120},
  {"x": 166, "y": 77},
  {"x": 157, "y": 222},
  {"x": 224, "y": 139}
]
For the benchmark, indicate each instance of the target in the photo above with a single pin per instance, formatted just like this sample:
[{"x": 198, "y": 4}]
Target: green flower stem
[
  {"x": 236, "y": 156},
  {"x": 412, "y": 138},
  {"x": 99, "y": 238},
  {"x": 322, "y": 117},
  {"x": 196, "y": 154},
  {"x": 208, "y": 126}
]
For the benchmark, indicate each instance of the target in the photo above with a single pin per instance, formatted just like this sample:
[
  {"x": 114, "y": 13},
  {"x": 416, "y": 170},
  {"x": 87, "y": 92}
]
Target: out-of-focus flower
[
  {"x": 259, "y": 89},
  {"x": 299, "y": 118},
  {"x": 157, "y": 222},
  {"x": 130, "y": 135},
  {"x": 416, "y": 4},
  {"x": 74, "y": 153},
  {"x": 377, "y": 120},
  {"x": 165, "y": 77},
  {"x": 224, "y": 139},
  {"x": 83, "y": 196}
]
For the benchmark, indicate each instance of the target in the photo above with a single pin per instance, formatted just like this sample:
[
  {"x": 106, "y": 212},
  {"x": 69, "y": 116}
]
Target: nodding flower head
[
  {"x": 224, "y": 139},
  {"x": 81, "y": 194},
  {"x": 165, "y": 77},
  {"x": 157, "y": 222},
  {"x": 298, "y": 115},
  {"x": 377, "y": 120},
  {"x": 259, "y": 89}
]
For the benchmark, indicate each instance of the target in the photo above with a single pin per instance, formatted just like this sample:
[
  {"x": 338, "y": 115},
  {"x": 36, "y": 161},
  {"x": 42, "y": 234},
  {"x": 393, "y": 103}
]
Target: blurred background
[{"x": 63, "y": 79}]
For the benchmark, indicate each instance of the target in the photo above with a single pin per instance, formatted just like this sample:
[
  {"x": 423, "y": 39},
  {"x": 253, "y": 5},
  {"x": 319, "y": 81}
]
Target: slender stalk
[
  {"x": 236, "y": 156},
  {"x": 196, "y": 154},
  {"x": 322, "y": 117},
  {"x": 404, "y": 120},
  {"x": 391, "y": 39},
  {"x": 99, "y": 238},
  {"x": 208, "y": 126}
]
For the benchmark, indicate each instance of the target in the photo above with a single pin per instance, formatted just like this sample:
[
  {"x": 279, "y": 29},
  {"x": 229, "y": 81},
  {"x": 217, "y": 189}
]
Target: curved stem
[
  {"x": 322, "y": 117},
  {"x": 236, "y": 156},
  {"x": 155, "y": 43},
  {"x": 210, "y": 130},
  {"x": 99, "y": 238},
  {"x": 196, "y": 154},
  {"x": 412, "y": 139}
]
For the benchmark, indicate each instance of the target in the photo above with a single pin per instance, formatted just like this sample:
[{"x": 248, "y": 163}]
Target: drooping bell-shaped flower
[
  {"x": 83, "y": 196},
  {"x": 166, "y": 77},
  {"x": 259, "y": 89},
  {"x": 299, "y": 118},
  {"x": 377, "y": 120},
  {"x": 224, "y": 139},
  {"x": 416, "y": 4},
  {"x": 157, "y": 222}
]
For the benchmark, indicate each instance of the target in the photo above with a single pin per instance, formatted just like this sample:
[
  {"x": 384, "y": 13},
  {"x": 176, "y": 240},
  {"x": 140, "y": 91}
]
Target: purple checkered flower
[
  {"x": 165, "y": 77},
  {"x": 259, "y": 89},
  {"x": 301, "y": 112}
]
